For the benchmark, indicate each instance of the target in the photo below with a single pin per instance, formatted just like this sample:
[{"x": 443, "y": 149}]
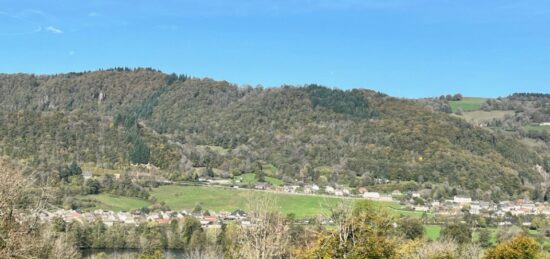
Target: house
[
  {"x": 415, "y": 195},
  {"x": 475, "y": 209},
  {"x": 311, "y": 188},
  {"x": 329, "y": 189},
  {"x": 261, "y": 186},
  {"x": 291, "y": 188},
  {"x": 72, "y": 215},
  {"x": 163, "y": 221},
  {"x": 362, "y": 190},
  {"x": 505, "y": 223},
  {"x": 87, "y": 175},
  {"x": 396, "y": 193},
  {"x": 239, "y": 214},
  {"x": 314, "y": 188},
  {"x": 209, "y": 220},
  {"x": 421, "y": 208},
  {"x": 339, "y": 193},
  {"x": 371, "y": 195},
  {"x": 153, "y": 217},
  {"x": 462, "y": 200},
  {"x": 219, "y": 181},
  {"x": 381, "y": 180}
]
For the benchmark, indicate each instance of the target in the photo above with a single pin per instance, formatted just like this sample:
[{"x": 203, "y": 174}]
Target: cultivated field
[
  {"x": 467, "y": 104},
  {"x": 251, "y": 179},
  {"x": 117, "y": 203},
  {"x": 537, "y": 127},
  {"x": 478, "y": 117},
  {"x": 229, "y": 199},
  {"x": 433, "y": 231}
]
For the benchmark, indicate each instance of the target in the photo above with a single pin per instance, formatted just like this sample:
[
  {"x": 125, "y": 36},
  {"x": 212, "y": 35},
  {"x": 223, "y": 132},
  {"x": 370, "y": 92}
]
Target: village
[
  {"x": 109, "y": 218},
  {"x": 501, "y": 212},
  {"x": 415, "y": 202}
]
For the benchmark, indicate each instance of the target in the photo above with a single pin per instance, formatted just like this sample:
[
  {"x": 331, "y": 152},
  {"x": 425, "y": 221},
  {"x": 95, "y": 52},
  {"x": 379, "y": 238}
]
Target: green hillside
[{"x": 190, "y": 127}]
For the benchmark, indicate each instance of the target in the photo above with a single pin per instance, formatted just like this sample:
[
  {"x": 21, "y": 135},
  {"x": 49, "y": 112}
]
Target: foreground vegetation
[{"x": 360, "y": 229}]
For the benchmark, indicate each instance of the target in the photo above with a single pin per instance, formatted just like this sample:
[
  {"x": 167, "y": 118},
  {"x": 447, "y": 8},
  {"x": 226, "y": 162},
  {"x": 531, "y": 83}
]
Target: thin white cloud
[
  {"x": 71, "y": 52},
  {"x": 54, "y": 30},
  {"x": 93, "y": 14}
]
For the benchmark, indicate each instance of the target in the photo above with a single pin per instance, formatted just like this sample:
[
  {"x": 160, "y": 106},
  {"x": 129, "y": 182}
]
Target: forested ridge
[{"x": 311, "y": 133}]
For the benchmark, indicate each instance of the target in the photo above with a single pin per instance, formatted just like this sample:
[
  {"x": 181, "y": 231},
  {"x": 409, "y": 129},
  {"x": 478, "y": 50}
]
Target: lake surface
[{"x": 126, "y": 253}]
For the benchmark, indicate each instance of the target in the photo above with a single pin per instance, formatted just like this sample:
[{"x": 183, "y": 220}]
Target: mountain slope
[{"x": 311, "y": 134}]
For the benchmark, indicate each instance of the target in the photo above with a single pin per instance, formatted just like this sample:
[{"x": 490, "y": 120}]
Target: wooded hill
[{"x": 189, "y": 126}]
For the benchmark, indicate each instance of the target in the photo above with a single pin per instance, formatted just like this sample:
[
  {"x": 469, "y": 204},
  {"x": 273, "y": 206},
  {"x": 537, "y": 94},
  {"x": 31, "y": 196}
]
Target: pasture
[
  {"x": 432, "y": 231},
  {"x": 478, "y": 117},
  {"x": 467, "y": 104},
  {"x": 251, "y": 179},
  {"x": 537, "y": 127},
  {"x": 116, "y": 203},
  {"x": 228, "y": 199}
]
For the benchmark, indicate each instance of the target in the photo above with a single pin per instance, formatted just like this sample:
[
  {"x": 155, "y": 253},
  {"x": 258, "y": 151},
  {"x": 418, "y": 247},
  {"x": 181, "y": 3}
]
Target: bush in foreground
[{"x": 520, "y": 247}]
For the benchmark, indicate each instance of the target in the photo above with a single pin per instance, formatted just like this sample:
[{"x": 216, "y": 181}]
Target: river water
[{"x": 125, "y": 253}]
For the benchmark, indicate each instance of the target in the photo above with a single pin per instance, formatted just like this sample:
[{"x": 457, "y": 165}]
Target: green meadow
[
  {"x": 250, "y": 178},
  {"x": 433, "y": 231},
  {"x": 117, "y": 203},
  {"x": 537, "y": 127},
  {"x": 477, "y": 117},
  {"x": 228, "y": 199},
  {"x": 467, "y": 104}
]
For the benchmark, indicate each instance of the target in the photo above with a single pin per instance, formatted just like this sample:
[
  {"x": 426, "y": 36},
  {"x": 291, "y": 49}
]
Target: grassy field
[
  {"x": 269, "y": 169},
  {"x": 100, "y": 171},
  {"x": 250, "y": 178},
  {"x": 492, "y": 231},
  {"x": 117, "y": 203},
  {"x": 467, "y": 104},
  {"x": 537, "y": 127},
  {"x": 433, "y": 231},
  {"x": 215, "y": 198},
  {"x": 229, "y": 199},
  {"x": 485, "y": 116}
]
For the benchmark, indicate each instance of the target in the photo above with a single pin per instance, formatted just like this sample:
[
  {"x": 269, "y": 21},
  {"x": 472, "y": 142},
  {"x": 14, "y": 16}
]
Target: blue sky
[{"x": 404, "y": 48}]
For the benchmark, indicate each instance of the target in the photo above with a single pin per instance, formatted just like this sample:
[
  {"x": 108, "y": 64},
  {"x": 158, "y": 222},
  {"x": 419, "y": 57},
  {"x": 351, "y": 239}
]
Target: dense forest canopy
[{"x": 311, "y": 134}]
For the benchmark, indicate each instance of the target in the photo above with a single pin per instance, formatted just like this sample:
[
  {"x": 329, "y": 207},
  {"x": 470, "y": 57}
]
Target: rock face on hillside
[{"x": 189, "y": 126}]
